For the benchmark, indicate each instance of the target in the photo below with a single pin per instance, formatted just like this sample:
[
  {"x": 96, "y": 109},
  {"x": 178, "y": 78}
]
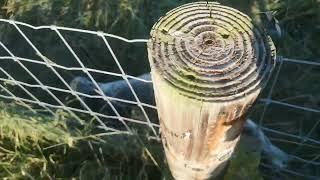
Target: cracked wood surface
[{"x": 208, "y": 64}]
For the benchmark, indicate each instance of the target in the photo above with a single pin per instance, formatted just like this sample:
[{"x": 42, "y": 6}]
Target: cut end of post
[{"x": 208, "y": 64}]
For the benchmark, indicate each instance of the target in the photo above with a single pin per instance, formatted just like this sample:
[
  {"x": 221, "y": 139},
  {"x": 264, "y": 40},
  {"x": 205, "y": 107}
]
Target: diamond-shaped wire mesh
[{"x": 21, "y": 71}]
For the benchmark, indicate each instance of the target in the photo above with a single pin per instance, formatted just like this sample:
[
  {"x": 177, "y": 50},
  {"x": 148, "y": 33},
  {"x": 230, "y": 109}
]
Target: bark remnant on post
[{"x": 208, "y": 65}]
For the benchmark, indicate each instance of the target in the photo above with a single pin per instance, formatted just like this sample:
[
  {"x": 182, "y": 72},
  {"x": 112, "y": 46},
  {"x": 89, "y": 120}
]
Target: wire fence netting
[{"x": 50, "y": 68}]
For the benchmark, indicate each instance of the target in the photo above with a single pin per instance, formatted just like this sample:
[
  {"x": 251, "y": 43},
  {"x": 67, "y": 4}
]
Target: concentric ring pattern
[{"x": 211, "y": 52}]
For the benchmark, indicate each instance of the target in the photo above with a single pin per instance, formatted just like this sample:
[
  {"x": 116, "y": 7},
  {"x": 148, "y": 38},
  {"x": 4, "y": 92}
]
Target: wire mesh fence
[{"x": 39, "y": 66}]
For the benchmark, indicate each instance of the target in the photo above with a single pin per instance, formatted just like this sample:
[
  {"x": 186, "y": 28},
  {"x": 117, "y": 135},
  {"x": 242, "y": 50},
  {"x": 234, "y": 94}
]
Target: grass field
[{"x": 41, "y": 146}]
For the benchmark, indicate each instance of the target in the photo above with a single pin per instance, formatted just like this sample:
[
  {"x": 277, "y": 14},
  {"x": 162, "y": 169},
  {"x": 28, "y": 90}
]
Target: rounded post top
[{"x": 210, "y": 52}]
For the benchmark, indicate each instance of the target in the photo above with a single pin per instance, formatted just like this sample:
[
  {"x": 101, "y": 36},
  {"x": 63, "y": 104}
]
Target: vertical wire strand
[
  {"x": 128, "y": 83},
  {"x": 92, "y": 79},
  {"x": 62, "y": 80}
]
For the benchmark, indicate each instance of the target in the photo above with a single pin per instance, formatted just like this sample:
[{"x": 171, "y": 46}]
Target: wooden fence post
[{"x": 208, "y": 65}]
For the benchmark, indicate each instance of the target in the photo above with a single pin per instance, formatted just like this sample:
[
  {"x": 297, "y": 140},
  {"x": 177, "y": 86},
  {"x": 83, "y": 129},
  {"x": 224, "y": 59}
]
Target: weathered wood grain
[{"x": 208, "y": 64}]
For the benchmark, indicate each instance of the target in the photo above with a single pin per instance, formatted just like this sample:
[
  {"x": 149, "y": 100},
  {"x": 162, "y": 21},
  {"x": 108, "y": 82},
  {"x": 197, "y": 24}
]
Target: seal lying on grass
[{"x": 144, "y": 91}]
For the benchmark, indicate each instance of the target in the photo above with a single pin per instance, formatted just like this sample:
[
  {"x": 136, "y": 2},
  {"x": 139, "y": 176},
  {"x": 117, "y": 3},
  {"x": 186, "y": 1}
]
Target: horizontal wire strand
[{"x": 125, "y": 76}]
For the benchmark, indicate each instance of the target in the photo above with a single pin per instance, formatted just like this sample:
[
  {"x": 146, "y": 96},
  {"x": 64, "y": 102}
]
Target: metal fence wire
[{"x": 39, "y": 62}]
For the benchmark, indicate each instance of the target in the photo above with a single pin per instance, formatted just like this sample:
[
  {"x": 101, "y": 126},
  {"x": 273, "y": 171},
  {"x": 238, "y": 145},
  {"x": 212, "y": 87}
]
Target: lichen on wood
[{"x": 208, "y": 64}]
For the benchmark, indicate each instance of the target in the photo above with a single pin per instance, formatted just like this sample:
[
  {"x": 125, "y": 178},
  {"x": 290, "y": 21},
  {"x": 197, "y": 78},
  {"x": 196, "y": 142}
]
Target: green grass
[{"x": 38, "y": 146}]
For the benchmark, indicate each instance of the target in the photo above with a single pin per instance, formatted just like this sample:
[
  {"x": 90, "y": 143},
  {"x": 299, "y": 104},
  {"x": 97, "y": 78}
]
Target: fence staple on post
[{"x": 208, "y": 64}]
